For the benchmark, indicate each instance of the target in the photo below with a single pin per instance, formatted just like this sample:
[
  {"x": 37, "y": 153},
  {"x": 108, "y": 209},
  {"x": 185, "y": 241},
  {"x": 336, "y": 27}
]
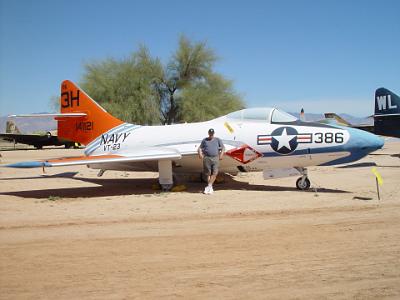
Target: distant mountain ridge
[{"x": 31, "y": 125}]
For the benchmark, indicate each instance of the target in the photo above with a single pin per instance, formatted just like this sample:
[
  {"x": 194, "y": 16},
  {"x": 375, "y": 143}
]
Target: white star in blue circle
[{"x": 284, "y": 140}]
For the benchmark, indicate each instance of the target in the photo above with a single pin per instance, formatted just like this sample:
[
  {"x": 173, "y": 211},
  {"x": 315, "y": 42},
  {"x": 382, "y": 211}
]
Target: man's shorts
[{"x": 210, "y": 165}]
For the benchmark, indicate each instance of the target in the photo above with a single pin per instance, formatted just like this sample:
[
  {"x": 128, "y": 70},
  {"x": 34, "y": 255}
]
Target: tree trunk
[{"x": 172, "y": 108}]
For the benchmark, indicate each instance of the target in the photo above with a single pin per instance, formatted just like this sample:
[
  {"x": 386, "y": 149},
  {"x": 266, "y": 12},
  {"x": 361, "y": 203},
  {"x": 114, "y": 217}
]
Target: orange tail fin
[{"x": 82, "y": 129}]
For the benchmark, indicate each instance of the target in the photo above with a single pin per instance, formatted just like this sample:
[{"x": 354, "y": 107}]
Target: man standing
[{"x": 211, "y": 151}]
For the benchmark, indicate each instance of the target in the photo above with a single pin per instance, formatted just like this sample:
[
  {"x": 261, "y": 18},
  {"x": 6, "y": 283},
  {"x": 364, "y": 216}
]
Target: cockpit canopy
[{"x": 263, "y": 114}]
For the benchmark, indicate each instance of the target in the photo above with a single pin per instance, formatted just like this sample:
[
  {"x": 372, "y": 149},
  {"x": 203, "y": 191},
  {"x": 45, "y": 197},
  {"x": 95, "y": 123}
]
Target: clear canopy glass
[
  {"x": 259, "y": 114},
  {"x": 279, "y": 116},
  {"x": 265, "y": 114}
]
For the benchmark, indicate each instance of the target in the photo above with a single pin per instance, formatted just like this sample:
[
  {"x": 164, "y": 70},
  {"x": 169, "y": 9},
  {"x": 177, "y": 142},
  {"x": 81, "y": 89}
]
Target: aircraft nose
[
  {"x": 377, "y": 142},
  {"x": 365, "y": 141}
]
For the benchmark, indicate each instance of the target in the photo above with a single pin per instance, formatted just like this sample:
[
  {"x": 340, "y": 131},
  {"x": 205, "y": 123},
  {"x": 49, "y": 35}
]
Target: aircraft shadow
[
  {"x": 59, "y": 175},
  {"x": 358, "y": 165},
  {"x": 363, "y": 198},
  {"x": 380, "y": 166},
  {"x": 133, "y": 186},
  {"x": 397, "y": 155},
  {"x": 366, "y": 164}
]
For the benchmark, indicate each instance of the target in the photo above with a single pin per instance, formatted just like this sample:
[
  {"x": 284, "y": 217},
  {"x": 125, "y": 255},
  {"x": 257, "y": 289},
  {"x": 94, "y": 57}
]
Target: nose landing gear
[{"x": 303, "y": 183}]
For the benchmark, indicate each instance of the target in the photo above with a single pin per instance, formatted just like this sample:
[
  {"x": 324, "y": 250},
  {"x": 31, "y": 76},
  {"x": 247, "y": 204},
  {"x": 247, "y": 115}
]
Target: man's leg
[
  {"x": 210, "y": 183},
  {"x": 214, "y": 173},
  {"x": 212, "y": 179},
  {"x": 207, "y": 171}
]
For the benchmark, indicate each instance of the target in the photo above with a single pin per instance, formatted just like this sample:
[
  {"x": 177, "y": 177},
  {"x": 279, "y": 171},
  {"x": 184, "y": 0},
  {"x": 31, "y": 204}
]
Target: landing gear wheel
[
  {"x": 303, "y": 184},
  {"x": 166, "y": 187}
]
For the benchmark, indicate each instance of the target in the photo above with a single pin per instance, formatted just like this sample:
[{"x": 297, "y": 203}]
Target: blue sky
[{"x": 320, "y": 55}]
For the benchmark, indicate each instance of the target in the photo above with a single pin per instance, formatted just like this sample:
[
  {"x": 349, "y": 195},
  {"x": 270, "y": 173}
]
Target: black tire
[
  {"x": 38, "y": 147},
  {"x": 305, "y": 186}
]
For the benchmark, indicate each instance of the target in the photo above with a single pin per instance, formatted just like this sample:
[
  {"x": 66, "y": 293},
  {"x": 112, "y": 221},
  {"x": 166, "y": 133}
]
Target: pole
[{"x": 377, "y": 188}]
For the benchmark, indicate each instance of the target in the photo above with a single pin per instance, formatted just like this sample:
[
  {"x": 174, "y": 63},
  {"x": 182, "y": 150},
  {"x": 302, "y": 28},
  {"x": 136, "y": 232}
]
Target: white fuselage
[{"x": 296, "y": 145}]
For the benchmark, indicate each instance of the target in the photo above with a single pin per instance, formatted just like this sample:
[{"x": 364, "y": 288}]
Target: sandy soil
[{"x": 71, "y": 235}]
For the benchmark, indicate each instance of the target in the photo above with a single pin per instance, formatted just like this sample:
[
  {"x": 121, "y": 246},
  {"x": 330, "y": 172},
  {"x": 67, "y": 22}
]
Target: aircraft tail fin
[
  {"x": 387, "y": 113},
  {"x": 386, "y": 102},
  {"x": 84, "y": 128},
  {"x": 12, "y": 128}
]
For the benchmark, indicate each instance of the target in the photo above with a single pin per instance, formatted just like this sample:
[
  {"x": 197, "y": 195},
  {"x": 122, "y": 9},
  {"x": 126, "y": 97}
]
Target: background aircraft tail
[
  {"x": 12, "y": 128},
  {"x": 82, "y": 129},
  {"x": 387, "y": 113},
  {"x": 338, "y": 119},
  {"x": 386, "y": 102}
]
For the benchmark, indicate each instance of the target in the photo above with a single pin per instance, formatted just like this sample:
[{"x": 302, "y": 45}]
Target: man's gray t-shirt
[{"x": 211, "y": 147}]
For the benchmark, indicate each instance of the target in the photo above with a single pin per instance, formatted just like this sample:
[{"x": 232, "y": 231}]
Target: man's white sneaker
[
  {"x": 206, "y": 190},
  {"x": 210, "y": 190}
]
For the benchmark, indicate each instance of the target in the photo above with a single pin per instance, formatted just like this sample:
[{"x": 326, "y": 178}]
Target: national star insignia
[{"x": 284, "y": 140}]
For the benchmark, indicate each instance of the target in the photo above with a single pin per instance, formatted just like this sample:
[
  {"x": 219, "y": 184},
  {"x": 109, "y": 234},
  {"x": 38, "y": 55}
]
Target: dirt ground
[{"x": 72, "y": 235}]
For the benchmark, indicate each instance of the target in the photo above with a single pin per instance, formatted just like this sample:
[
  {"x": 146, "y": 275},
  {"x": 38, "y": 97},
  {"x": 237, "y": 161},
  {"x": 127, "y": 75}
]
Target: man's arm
[
  {"x": 200, "y": 150},
  {"x": 221, "y": 149}
]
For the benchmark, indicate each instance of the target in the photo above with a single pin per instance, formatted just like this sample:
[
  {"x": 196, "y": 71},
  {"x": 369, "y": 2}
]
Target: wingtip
[{"x": 28, "y": 164}]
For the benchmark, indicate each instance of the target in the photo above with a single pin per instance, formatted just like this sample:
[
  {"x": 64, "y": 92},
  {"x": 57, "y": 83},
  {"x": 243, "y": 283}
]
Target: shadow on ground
[
  {"x": 138, "y": 186},
  {"x": 358, "y": 165},
  {"x": 366, "y": 164}
]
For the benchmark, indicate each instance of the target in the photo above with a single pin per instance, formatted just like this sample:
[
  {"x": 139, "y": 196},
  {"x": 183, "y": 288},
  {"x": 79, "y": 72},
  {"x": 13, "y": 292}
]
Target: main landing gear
[
  {"x": 165, "y": 178},
  {"x": 303, "y": 183}
]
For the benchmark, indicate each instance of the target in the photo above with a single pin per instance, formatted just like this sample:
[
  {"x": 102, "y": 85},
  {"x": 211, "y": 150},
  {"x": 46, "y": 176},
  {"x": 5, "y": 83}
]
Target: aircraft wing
[
  {"x": 23, "y": 138},
  {"x": 236, "y": 150},
  {"x": 171, "y": 152},
  {"x": 143, "y": 154},
  {"x": 190, "y": 148}
]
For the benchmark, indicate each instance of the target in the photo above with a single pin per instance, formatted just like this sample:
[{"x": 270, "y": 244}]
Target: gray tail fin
[
  {"x": 12, "y": 128},
  {"x": 386, "y": 102}
]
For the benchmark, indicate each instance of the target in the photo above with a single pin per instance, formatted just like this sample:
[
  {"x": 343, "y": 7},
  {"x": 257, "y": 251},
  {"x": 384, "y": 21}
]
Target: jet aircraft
[
  {"x": 256, "y": 139},
  {"x": 37, "y": 140}
]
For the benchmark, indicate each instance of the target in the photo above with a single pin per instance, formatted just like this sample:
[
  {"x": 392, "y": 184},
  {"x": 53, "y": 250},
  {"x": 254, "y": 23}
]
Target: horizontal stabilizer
[
  {"x": 56, "y": 115},
  {"x": 386, "y": 115},
  {"x": 338, "y": 119}
]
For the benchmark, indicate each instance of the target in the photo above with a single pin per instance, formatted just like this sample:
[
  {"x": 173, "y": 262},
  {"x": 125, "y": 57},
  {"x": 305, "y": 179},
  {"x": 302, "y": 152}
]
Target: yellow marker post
[
  {"x": 227, "y": 126},
  {"x": 379, "y": 180}
]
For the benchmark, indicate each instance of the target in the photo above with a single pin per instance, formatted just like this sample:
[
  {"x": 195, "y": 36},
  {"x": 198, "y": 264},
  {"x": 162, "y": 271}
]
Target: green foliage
[
  {"x": 190, "y": 62},
  {"x": 205, "y": 100},
  {"x": 139, "y": 89},
  {"x": 126, "y": 88}
]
